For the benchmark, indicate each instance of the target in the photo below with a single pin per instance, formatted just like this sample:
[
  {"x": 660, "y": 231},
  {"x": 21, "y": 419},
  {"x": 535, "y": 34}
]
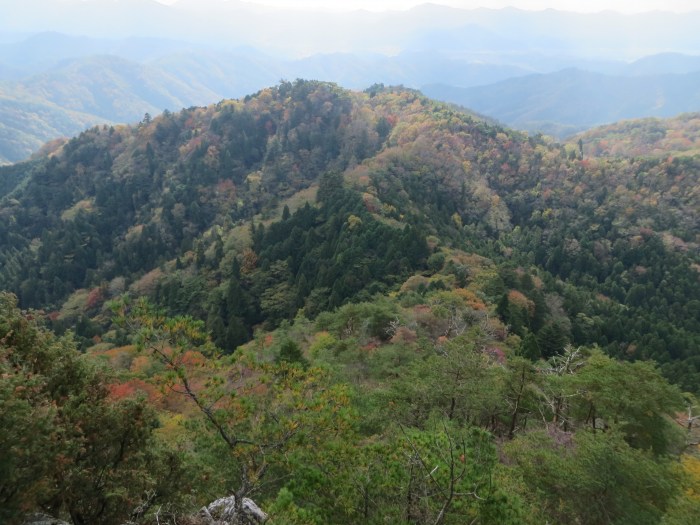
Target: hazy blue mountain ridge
[
  {"x": 572, "y": 100},
  {"x": 114, "y": 60}
]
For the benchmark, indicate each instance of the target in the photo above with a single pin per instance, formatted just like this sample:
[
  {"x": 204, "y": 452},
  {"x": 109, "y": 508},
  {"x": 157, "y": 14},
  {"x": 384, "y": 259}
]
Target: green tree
[
  {"x": 592, "y": 478},
  {"x": 255, "y": 414},
  {"x": 456, "y": 381},
  {"x": 291, "y": 353},
  {"x": 551, "y": 340},
  {"x": 66, "y": 446},
  {"x": 633, "y": 397},
  {"x": 448, "y": 478}
]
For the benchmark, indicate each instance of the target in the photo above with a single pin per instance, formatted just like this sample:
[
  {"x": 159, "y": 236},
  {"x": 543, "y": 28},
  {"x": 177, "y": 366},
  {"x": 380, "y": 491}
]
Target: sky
[{"x": 624, "y": 6}]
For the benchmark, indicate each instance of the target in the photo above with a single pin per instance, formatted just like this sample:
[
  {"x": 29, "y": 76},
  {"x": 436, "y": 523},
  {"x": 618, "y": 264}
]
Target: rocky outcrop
[
  {"x": 223, "y": 511},
  {"x": 43, "y": 519}
]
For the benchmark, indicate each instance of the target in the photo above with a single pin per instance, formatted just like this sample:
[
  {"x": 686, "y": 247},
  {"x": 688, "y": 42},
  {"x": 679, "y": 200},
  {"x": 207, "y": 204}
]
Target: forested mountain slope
[
  {"x": 78, "y": 93},
  {"x": 26, "y": 123},
  {"x": 186, "y": 209},
  {"x": 368, "y": 307},
  {"x": 651, "y": 137}
]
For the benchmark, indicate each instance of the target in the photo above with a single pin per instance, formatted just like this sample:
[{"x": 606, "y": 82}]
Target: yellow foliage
[
  {"x": 322, "y": 341},
  {"x": 171, "y": 426},
  {"x": 413, "y": 282},
  {"x": 134, "y": 232},
  {"x": 691, "y": 467},
  {"x": 354, "y": 222},
  {"x": 70, "y": 213},
  {"x": 75, "y": 305}
]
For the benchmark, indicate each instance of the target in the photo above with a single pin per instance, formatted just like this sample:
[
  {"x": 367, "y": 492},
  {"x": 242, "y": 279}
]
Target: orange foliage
[
  {"x": 470, "y": 299},
  {"x": 121, "y": 390},
  {"x": 517, "y": 298},
  {"x": 249, "y": 261},
  {"x": 404, "y": 335},
  {"x": 193, "y": 358},
  {"x": 371, "y": 346},
  {"x": 140, "y": 364}
]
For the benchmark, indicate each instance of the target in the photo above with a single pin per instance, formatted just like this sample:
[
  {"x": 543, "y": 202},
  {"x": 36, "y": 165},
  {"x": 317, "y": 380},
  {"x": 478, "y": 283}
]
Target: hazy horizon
[
  {"x": 578, "y": 6},
  {"x": 68, "y": 64}
]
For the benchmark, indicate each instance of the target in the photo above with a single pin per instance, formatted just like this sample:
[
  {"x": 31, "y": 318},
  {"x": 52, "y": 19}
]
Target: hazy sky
[{"x": 625, "y": 6}]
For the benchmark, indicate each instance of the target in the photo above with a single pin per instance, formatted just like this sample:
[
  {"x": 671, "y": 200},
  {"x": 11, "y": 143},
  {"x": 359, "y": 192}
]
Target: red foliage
[
  {"x": 370, "y": 202},
  {"x": 121, "y": 390},
  {"x": 496, "y": 354},
  {"x": 226, "y": 186},
  {"x": 133, "y": 387},
  {"x": 94, "y": 299},
  {"x": 371, "y": 346}
]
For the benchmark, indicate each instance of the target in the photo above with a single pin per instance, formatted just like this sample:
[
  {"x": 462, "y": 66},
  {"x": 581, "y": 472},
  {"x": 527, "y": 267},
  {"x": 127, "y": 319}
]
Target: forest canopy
[{"x": 348, "y": 307}]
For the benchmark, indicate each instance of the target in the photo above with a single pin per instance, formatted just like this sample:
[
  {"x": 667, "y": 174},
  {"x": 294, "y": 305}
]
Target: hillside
[
  {"x": 69, "y": 90},
  {"x": 26, "y": 123},
  {"x": 200, "y": 188},
  {"x": 569, "y": 101},
  {"x": 366, "y": 306},
  {"x": 679, "y": 136},
  {"x": 112, "y": 61},
  {"x": 63, "y": 67},
  {"x": 77, "y": 94}
]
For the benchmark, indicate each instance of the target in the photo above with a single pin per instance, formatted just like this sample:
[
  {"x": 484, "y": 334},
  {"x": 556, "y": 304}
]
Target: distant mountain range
[
  {"x": 84, "y": 92},
  {"x": 64, "y": 68},
  {"x": 73, "y": 94},
  {"x": 570, "y": 101},
  {"x": 605, "y": 35}
]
